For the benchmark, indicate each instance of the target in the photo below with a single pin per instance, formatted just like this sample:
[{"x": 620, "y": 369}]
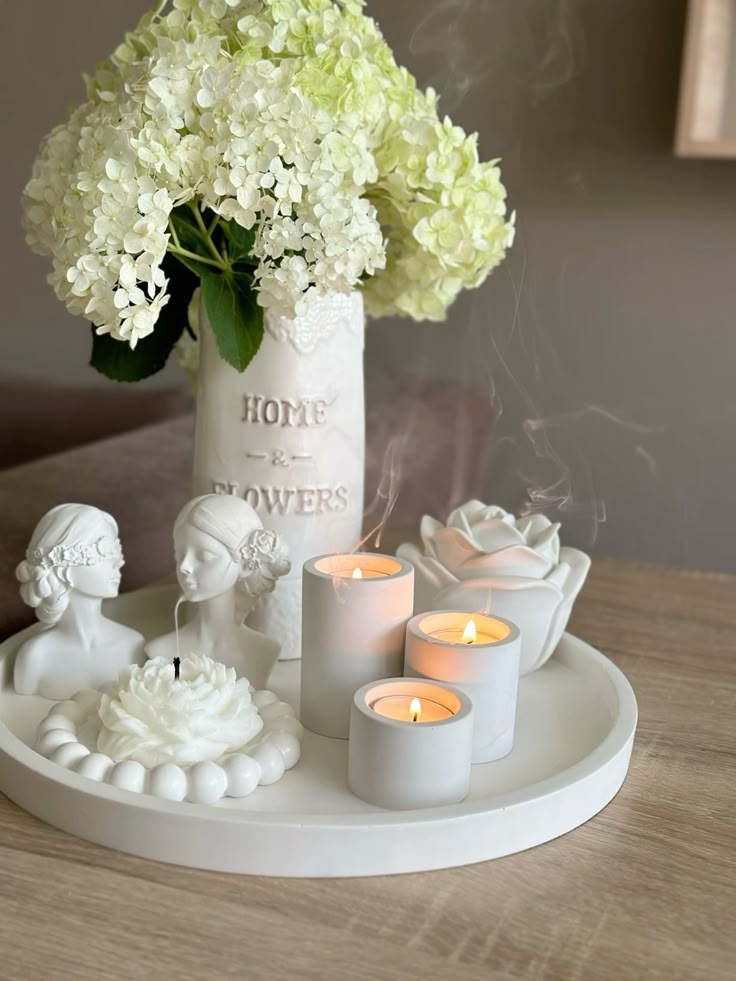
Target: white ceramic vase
[{"x": 288, "y": 435}]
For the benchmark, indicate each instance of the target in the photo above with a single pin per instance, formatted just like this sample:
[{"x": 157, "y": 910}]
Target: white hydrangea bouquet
[{"x": 263, "y": 150}]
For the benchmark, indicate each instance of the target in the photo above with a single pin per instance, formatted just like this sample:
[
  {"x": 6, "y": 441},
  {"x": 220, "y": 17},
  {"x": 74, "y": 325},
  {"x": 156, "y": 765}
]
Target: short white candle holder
[
  {"x": 410, "y": 744},
  {"x": 354, "y": 614},
  {"x": 479, "y": 654}
]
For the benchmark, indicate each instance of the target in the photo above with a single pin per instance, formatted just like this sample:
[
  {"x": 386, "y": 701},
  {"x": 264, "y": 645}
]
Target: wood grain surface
[{"x": 645, "y": 890}]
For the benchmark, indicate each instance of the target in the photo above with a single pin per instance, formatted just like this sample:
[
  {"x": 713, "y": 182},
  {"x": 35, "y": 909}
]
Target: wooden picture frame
[{"x": 706, "y": 122}]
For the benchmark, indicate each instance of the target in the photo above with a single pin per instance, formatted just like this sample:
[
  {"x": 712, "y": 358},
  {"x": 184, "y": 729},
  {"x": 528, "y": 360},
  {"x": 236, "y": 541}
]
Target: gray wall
[{"x": 606, "y": 341}]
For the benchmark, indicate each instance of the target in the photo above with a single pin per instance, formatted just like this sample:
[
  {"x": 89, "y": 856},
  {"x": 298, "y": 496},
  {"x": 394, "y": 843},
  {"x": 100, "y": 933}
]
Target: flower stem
[
  {"x": 172, "y": 229},
  {"x": 207, "y": 237},
  {"x": 186, "y": 254}
]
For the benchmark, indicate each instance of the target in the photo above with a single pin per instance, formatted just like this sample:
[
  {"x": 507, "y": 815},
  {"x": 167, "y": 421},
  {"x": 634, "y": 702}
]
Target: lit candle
[
  {"x": 355, "y": 608},
  {"x": 405, "y": 708},
  {"x": 411, "y": 743},
  {"x": 348, "y": 570},
  {"x": 464, "y": 630},
  {"x": 480, "y": 654},
  {"x": 360, "y": 573}
]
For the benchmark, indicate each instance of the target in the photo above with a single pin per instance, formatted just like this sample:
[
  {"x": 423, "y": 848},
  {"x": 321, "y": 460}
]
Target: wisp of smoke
[
  {"x": 533, "y": 46},
  {"x": 443, "y": 31},
  {"x": 388, "y": 490},
  {"x": 528, "y": 51}
]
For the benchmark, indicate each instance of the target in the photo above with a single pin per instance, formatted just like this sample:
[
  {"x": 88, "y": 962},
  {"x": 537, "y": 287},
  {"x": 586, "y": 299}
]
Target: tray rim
[{"x": 612, "y": 752}]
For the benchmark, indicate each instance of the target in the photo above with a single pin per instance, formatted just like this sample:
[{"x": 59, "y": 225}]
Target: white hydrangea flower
[{"x": 289, "y": 117}]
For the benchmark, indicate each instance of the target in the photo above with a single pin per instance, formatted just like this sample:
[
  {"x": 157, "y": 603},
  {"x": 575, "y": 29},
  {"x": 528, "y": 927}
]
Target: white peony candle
[
  {"x": 184, "y": 730},
  {"x": 160, "y": 714}
]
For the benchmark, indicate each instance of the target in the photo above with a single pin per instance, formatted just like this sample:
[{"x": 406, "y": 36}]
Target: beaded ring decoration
[
  {"x": 276, "y": 748},
  {"x": 80, "y": 554}
]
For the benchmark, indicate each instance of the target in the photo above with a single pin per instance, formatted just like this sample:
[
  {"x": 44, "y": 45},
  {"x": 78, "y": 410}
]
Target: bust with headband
[
  {"x": 225, "y": 560},
  {"x": 72, "y": 564}
]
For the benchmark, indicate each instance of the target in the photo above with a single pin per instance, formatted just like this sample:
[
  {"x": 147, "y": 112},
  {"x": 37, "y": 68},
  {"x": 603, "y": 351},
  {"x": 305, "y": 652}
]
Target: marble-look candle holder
[
  {"x": 398, "y": 761},
  {"x": 353, "y": 632},
  {"x": 487, "y": 669}
]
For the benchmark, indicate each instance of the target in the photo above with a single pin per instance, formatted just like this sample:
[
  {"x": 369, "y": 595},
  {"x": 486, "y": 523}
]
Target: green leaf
[
  {"x": 234, "y": 315},
  {"x": 240, "y": 241},
  {"x": 117, "y": 361}
]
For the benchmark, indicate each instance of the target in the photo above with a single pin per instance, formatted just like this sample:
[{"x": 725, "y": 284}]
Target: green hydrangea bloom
[{"x": 290, "y": 118}]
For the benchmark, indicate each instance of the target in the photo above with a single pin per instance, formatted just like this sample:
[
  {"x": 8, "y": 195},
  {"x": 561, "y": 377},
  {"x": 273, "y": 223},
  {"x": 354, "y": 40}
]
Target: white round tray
[{"x": 574, "y": 731}]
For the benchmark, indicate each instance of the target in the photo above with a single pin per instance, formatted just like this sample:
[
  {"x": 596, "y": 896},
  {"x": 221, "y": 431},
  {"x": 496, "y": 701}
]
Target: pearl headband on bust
[{"x": 79, "y": 554}]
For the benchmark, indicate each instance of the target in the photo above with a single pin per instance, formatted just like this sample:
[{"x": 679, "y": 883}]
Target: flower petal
[
  {"x": 430, "y": 576},
  {"x": 452, "y": 548},
  {"x": 458, "y": 519},
  {"x": 579, "y": 564},
  {"x": 495, "y": 534},
  {"x": 569, "y": 577},
  {"x": 515, "y": 560},
  {"x": 533, "y": 525},
  {"x": 471, "y": 510},
  {"x": 547, "y": 543},
  {"x": 429, "y": 527},
  {"x": 529, "y": 603}
]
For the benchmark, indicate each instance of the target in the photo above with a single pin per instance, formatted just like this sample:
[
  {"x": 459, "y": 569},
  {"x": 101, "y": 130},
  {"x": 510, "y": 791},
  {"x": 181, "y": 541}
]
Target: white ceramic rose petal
[
  {"x": 514, "y": 560},
  {"x": 569, "y": 576},
  {"x": 491, "y": 536},
  {"x": 452, "y": 548},
  {"x": 429, "y": 578}
]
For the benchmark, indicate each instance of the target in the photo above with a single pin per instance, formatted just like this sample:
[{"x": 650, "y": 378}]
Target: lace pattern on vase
[{"x": 324, "y": 316}]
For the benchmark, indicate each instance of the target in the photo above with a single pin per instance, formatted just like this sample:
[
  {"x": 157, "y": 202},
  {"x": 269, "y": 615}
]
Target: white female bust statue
[
  {"x": 73, "y": 562},
  {"x": 225, "y": 560}
]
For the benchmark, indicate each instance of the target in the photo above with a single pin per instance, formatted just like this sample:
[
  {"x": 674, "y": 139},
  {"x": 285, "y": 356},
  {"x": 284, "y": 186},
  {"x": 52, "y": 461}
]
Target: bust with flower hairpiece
[
  {"x": 73, "y": 562},
  {"x": 225, "y": 561}
]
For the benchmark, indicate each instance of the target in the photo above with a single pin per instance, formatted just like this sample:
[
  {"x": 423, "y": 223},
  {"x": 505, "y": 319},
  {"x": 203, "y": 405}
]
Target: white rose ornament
[{"x": 485, "y": 559}]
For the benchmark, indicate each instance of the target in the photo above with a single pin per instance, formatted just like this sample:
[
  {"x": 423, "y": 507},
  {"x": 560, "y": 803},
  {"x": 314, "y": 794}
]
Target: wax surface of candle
[
  {"x": 364, "y": 574},
  {"x": 455, "y": 636},
  {"x": 399, "y": 707}
]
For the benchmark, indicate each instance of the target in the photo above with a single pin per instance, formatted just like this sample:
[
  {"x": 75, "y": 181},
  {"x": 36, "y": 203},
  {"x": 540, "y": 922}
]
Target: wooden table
[{"x": 646, "y": 890}]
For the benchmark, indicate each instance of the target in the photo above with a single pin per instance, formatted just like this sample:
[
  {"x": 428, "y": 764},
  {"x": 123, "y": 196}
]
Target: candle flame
[
  {"x": 357, "y": 572},
  {"x": 469, "y": 634},
  {"x": 415, "y": 709}
]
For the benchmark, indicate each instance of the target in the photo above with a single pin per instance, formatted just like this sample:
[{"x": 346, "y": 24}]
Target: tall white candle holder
[
  {"x": 479, "y": 654},
  {"x": 355, "y": 611},
  {"x": 410, "y": 744}
]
